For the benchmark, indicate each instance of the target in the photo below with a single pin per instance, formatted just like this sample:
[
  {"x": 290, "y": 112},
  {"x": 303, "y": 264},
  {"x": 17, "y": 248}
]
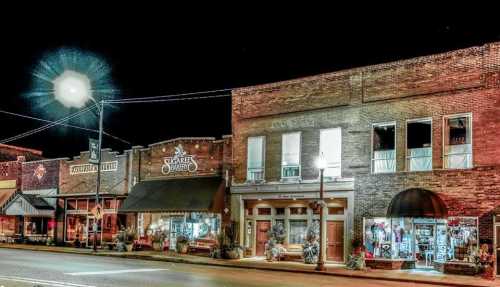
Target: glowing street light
[{"x": 321, "y": 164}]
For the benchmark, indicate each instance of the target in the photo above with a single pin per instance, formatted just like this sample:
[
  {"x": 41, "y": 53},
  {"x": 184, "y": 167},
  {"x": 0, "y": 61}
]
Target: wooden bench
[{"x": 292, "y": 252}]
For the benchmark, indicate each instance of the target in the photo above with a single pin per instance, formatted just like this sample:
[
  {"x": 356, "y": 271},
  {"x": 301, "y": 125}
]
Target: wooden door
[
  {"x": 335, "y": 241},
  {"x": 261, "y": 237}
]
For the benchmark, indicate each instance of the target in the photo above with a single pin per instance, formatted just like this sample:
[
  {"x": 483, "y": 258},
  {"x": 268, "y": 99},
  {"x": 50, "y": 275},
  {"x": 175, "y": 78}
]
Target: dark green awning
[{"x": 186, "y": 194}]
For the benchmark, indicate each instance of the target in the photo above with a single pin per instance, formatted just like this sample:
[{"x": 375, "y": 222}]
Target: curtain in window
[
  {"x": 384, "y": 161},
  {"x": 420, "y": 158},
  {"x": 255, "y": 157},
  {"x": 458, "y": 156},
  {"x": 331, "y": 149}
]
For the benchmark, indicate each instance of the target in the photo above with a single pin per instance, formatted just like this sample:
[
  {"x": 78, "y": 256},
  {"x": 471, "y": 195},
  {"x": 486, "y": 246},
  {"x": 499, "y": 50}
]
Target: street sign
[
  {"x": 94, "y": 151},
  {"x": 97, "y": 212}
]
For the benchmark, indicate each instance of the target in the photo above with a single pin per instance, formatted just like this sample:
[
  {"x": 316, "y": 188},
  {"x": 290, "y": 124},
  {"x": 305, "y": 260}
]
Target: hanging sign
[
  {"x": 94, "y": 151},
  {"x": 180, "y": 162}
]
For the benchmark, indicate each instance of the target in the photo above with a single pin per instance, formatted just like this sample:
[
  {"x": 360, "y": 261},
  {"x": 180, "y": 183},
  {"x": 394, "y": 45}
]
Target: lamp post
[
  {"x": 321, "y": 165},
  {"x": 73, "y": 90}
]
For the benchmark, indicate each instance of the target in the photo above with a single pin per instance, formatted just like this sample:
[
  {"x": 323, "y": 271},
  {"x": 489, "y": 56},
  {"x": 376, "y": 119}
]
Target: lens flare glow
[{"x": 67, "y": 79}]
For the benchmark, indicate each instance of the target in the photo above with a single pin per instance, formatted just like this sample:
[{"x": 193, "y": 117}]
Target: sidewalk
[{"x": 260, "y": 264}]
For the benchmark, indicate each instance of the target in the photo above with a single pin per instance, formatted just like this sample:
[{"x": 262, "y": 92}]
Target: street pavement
[{"x": 36, "y": 268}]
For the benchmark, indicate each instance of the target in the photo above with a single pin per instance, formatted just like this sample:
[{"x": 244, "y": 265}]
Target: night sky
[{"x": 162, "y": 52}]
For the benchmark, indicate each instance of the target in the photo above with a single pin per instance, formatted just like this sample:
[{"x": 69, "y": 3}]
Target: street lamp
[
  {"x": 321, "y": 165},
  {"x": 73, "y": 90}
]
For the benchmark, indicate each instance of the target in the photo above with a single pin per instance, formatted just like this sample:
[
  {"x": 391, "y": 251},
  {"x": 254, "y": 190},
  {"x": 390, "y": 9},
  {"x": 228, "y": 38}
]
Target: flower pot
[
  {"x": 130, "y": 247},
  {"x": 182, "y": 248}
]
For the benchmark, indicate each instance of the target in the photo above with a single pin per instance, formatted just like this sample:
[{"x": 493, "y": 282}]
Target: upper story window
[
  {"x": 419, "y": 145},
  {"x": 330, "y": 147},
  {"x": 384, "y": 148},
  {"x": 290, "y": 155},
  {"x": 457, "y": 142},
  {"x": 255, "y": 158}
]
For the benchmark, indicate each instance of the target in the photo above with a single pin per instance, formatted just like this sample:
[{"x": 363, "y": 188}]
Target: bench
[
  {"x": 206, "y": 245},
  {"x": 291, "y": 252}
]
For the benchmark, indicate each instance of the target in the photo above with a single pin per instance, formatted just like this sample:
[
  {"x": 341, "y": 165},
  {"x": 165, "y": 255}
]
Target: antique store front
[{"x": 180, "y": 197}]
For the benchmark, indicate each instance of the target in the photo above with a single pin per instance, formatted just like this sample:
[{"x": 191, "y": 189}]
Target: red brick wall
[{"x": 47, "y": 169}]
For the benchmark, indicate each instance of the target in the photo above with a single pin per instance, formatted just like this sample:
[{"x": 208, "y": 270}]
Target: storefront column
[
  {"x": 325, "y": 233},
  {"x": 242, "y": 223}
]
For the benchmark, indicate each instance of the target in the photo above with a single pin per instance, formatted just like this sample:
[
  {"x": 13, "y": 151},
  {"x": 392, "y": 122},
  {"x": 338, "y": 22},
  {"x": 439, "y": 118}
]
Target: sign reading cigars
[
  {"x": 90, "y": 168},
  {"x": 180, "y": 162}
]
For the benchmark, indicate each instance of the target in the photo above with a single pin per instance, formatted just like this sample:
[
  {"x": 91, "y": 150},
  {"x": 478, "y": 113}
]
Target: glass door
[
  {"x": 175, "y": 230},
  {"x": 91, "y": 232}
]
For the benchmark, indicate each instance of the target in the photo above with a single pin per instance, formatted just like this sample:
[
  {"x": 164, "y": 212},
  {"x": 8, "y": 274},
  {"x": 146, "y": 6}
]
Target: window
[
  {"x": 255, "y": 158},
  {"x": 330, "y": 147},
  {"x": 249, "y": 211},
  {"x": 81, "y": 204},
  {"x": 71, "y": 204},
  {"x": 298, "y": 230},
  {"x": 264, "y": 211},
  {"x": 280, "y": 211},
  {"x": 298, "y": 210},
  {"x": 290, "y": 155},
  {"x": 457, "y": 141},
  {"x": 419, "y": 145},
  {"x": 384, "y": 148}
]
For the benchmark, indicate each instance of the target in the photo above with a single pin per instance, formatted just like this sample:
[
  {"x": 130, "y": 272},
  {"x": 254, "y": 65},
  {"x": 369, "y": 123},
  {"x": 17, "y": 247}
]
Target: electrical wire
[
  {"x": 166, "y": 99},
  {"x": 67, "y": 125},
  {"x": 167, "y": 96},
  {"x": 42, "y": 128}
]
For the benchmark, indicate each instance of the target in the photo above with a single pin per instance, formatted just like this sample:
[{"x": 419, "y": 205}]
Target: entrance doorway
[
  {"x": 424, "y": 245},
  {"x": 263, "y": 227},
  {"x": 91, "y": 233},
  {"x": 335, "y": 241},
  {"x": 497, "y": 245}
]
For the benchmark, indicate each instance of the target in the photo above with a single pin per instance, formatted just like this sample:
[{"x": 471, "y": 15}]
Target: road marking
[
  {"x": 113, "y": 272},
  {"x": 42, "y": 282}
]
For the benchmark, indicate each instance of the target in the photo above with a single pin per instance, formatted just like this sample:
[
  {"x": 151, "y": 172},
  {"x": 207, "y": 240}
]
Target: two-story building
[{"x": 412, "y": 153}]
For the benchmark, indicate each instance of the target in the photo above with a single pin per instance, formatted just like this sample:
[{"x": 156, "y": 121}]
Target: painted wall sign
[
  {"x": 180, "y": 162},
  {"x": 39, "y": 172},
  {"x": 90, "y": 168}
]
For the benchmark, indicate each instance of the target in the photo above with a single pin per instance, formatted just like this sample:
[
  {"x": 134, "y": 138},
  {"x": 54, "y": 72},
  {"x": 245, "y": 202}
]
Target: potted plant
[
  {"x": 273, "y": 247},
  {"x": 231, "y": 249},
  {"x": 158, "y": 239},
  {"x": 130, "y": 237},
  {"x": 310, "y": 249},
  {"x": 182, "y": 244},
  {"x": 125, "y": 240}
]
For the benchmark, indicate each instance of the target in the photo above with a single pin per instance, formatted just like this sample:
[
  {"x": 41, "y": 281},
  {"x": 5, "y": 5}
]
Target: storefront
[
  {"x": 170, "y": 209},
  {"x": 418, "y": 233},
  {"x": 180, "y": 194},
  {"x": 263, "y": 206}
]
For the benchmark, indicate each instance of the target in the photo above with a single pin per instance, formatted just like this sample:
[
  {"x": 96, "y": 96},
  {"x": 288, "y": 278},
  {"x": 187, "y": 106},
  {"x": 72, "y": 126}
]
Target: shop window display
[
  {"x": 298, "y": 230},
  {"x": 378, "y": 237}
]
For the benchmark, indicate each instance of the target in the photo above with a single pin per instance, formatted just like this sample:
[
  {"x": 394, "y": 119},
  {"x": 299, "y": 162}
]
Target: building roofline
[
  {"x": 34, "y": 151},
  {"x": 350, "y": 71},
  {"x": 183, "y": 138}
]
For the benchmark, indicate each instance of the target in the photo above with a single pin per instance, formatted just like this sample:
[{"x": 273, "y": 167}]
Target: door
[
  {"x": 91, "y": 232},
  {"x": 262, "y": 227},
  {"x": 335, "y": 241},
  {"x": 497, "y": 248}
]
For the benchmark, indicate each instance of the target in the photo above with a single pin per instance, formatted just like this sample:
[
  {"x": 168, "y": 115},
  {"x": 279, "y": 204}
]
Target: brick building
[
  {"x": 11, "y": 159},
  {"x": 76, "y": 198},
  {"x": 179, "y": 188},
  {"x": 412, "y": 132}
]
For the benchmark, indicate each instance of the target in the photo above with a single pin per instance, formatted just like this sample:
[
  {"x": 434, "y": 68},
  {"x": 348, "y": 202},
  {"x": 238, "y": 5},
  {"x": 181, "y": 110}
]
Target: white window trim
[
  {"x": 300, "y": 155},
  {"x": 382, "y": 124},
  {"x": 319, "y": 153},
  {"x": 418, "y": 120},
  {"x": 443, "y": 156},
  {"x": 263, "y": 159}
]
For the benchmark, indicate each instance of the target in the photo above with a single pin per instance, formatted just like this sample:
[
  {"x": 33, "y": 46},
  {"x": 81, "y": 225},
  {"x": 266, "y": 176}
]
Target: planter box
[{"x": 389, "y": 264}]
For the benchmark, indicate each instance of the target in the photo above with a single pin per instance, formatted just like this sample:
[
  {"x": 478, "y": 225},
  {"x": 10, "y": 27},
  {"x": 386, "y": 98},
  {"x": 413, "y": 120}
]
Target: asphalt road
[{"x": 30, "y": 268}]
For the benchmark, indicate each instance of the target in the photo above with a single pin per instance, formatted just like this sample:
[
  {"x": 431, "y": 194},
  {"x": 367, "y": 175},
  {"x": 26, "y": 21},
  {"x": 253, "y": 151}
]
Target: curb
[{"x": 228, "y": 265}]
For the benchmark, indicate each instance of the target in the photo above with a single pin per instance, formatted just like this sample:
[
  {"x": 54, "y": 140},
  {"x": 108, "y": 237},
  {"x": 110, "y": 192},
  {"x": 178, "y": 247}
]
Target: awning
[
  {"x": 202, "y": 194},
  {"x": 417, "y": 202},
  {"x": 5, "y": 195},
  {"x": 29, "y": 205}
]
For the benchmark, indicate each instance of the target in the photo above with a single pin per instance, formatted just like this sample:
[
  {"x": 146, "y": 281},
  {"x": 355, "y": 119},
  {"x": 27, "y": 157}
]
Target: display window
[
  {"x": 298, "y": 230},
  {"x": 76, "y": 227}
]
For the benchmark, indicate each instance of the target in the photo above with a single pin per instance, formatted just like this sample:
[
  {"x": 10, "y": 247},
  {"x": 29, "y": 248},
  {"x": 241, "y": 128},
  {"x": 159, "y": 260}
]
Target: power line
[
  {"x": 42, "y": 128},
  {"x": 168, "y": 96},
  {"x": 67, "y": 125},
  {"x": 167, "y": 99}
]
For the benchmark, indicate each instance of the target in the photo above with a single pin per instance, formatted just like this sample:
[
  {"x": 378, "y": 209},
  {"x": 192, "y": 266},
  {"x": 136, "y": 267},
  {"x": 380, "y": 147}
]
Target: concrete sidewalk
[{"x": 427, "y": 277}]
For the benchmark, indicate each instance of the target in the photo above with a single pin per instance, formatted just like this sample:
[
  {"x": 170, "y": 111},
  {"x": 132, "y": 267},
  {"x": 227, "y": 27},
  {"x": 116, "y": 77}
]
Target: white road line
[
  {"x": 113, "y": 272},
  {"x": 42, "y": 282}
]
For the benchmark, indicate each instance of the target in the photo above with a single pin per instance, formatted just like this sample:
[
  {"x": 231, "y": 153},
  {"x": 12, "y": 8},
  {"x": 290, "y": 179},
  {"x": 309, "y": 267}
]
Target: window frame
[
  {"x": 443, "y": 156},
  {"x": 340, "y": 148},
  {"x": 300, "y": 155},
  {"x": 382, "y": 124},
  {"x": 418, "y": 120},
  {"x": 263, "y": 158}
]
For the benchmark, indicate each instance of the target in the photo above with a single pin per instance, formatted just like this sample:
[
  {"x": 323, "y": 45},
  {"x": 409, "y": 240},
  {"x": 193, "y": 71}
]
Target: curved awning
[{"x": 417, "y": 202}]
